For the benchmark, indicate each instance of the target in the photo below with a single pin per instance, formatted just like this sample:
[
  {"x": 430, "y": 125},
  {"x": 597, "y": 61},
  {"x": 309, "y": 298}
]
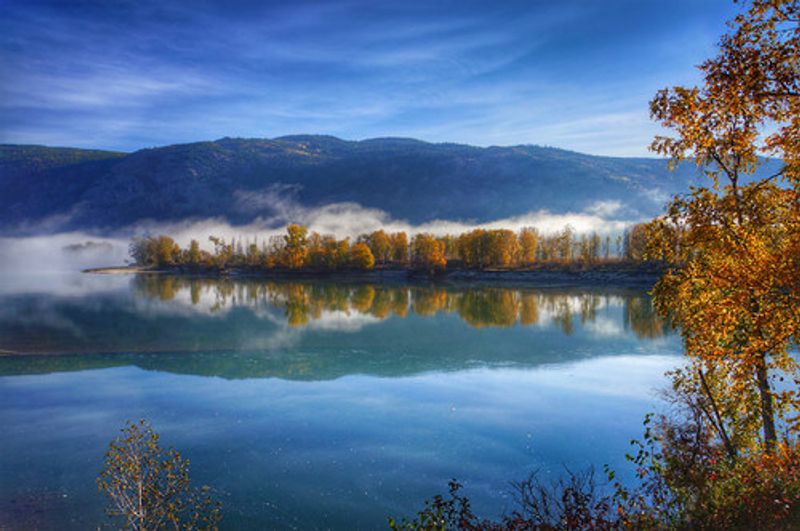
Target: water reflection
[
  {"x": 318, "y": 330},
  {"x": 486, "y": 306},
  {"x": 352, "y": 399}
]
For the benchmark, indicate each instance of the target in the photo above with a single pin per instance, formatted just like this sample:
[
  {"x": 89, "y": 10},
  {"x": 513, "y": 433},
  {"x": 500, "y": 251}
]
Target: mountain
[{"x": 53, "y": 189}]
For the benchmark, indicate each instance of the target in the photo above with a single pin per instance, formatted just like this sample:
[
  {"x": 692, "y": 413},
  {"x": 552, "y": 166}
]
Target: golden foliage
[{"x": 735, "y": 290}]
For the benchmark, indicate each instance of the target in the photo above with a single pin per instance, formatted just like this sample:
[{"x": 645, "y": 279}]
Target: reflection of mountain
[{"x": 315, "y": 330}]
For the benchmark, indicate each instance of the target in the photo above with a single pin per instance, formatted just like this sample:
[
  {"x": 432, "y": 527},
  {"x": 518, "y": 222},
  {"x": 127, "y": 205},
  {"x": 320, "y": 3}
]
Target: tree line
[{"x": 298, "y": 249}]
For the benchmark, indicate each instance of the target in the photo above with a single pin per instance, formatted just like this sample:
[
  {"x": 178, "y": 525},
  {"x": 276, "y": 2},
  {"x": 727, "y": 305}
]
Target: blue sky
[{"x": 575, "y": 74}]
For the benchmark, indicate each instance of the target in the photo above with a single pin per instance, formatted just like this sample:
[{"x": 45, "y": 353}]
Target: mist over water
[{"x": 53, "y": 254}]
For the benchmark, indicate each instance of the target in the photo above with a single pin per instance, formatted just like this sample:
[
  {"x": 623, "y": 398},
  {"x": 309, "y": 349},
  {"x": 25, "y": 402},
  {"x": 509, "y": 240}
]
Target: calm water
[{"x": 315, "y": 405}]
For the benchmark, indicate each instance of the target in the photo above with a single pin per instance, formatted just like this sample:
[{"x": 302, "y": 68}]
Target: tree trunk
[{"x": 767, "y": 413}]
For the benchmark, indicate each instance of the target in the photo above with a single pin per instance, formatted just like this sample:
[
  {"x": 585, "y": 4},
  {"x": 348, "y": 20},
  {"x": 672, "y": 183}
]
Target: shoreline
[{"x": 623, "y": 275}]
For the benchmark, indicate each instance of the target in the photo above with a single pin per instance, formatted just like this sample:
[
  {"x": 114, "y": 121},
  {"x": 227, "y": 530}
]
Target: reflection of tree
[
  {"x": 560, "y": 307},
  {"x": 382, "y": 303},
  {"x": 399, "y": 302},
  {"x": 489, "y": 307},
  {"x": 428, "y": 301},
  {"x": 642, "y": 319},
  {"x": 303, "y": 303},
  {"x": 194, "y": 290},
  {"x": 564, "y": 321},
  {"x": 528, "y": 309},
  {"x": 297, "y": 306},
  {"x": 362, "y": 298},
  {"x": 589, "y": 304}
]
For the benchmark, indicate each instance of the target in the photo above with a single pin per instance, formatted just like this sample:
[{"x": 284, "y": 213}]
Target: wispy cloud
[
  {"x": 99, "y": 89},
  {"x": 574, "y": 75}
]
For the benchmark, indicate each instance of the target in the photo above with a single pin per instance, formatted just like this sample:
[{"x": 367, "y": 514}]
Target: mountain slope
[{"x": 47, "y": 189}]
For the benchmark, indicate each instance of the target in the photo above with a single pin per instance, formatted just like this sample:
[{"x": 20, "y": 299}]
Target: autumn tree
[
  {"x": 337, "y": 251},
  {"x": 223, "y": 252},
  {"x": 562, "y": 244},
  {"x": 470, "y": 249},
  {"x": 194, "y": 252},
  {"x": 427, "y": 253},
  {"x": 528, "y": 245},
  {"x": 488, "y": 248},
  {"x": 149, "y": 486},
  {"x": 253, "y": 255},
  {"x": 399, "y": 244},
  {"x": 635, "y": 242},
  {"x": 450, "y": 243},
  {"x": 502, "y": 248},
  {"x": 735, "y": 287},
  {"x": 167, "y": 251},
  {"x": 316, "y": 252},
  {"x": 155, "y": 251},
  {"x": 296, "y": 246},
  {"x": 361, "y": 256},
  {"x": 380, "y": 246},
  {"x": 589, "y": 248}
]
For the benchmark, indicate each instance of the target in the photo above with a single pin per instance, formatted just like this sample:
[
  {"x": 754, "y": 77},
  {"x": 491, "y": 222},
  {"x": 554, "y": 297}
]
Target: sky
[{"x": 575, "y": 74}]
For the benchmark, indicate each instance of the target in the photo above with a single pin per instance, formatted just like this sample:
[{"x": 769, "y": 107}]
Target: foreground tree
[
  {"x": 736, "y": 289},
  {"x": 149, "y": 487}
]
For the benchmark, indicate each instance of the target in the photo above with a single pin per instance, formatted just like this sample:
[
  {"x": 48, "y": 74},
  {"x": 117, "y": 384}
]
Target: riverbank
[{"x": 616, "y": 274}]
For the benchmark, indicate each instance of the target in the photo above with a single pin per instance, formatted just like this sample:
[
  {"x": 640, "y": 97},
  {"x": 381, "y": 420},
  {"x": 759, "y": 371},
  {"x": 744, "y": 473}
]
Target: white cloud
[
  {"x": 603, "y": 326},
  {"x": 604, "y": 208}
]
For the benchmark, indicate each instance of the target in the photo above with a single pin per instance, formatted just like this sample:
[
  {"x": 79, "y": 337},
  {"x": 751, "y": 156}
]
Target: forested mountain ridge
[{"x": 45, "y": 189}]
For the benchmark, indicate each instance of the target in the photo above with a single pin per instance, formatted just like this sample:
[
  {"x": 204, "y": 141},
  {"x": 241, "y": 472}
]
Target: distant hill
[{"x": 45, "y": 189}]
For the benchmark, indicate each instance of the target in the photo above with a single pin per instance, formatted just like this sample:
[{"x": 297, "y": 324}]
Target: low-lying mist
[{"x": 75, "y": 251}]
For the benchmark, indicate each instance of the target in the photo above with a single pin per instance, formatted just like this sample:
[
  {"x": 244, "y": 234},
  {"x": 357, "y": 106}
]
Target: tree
[
  {"x": 253, "y": 257},
  {"x": 528, "y": 245},
  {"x": 635, "y": 242},
  {"x": 158, "y": 251},
  {"x": 589, "y": 248},
  {"x": 563, "y": 241},
  {"x": 223, "y": 252},
  {"x": 296, "y": 248},
  {"x": 380, "y": 245},
  {"x": 142, "y": 251},
  {"x": 399, "y": 247},
  {"x": 470, "y": 248},
  {"x": 735, "y": 289},
  {"x": 501, "y": 247},
  {"x": 316, "y": 252},
  {"x": 150, "y": 487},
  {"x": 427, "y": 253},
  {"x": 167, "y": 251},
  {"x": 194, "y": 252},
  {"x": 361, "y": 256}
]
